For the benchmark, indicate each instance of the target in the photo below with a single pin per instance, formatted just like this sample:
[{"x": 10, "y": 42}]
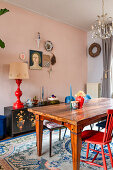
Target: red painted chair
[{"x": 101, "y": 138}]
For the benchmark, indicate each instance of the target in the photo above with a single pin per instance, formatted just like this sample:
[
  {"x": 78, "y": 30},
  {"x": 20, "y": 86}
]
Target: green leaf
[
  {"x": 2, "y": 44},
  {"x": 3, "y": 11}
]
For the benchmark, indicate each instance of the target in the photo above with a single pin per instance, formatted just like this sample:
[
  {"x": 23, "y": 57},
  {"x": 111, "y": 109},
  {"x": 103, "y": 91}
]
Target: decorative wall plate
[
  {"x": 98, "y": 50},
  {"x": 48, "y": 45},
  {"x": 22, "y": 56}
]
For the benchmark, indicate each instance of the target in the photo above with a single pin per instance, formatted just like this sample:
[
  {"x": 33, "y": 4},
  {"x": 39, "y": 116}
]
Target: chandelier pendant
[{"x": 103, "y": 27}]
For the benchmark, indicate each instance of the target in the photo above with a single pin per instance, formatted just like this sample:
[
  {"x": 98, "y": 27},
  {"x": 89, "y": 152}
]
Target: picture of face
[{"x": 35, "y": 60}]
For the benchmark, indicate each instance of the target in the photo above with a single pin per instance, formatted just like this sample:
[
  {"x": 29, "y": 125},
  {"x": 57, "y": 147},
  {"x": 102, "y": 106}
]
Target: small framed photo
[
  {"x": 46, "y": 60},
  {"x": 35, "y": 60}
]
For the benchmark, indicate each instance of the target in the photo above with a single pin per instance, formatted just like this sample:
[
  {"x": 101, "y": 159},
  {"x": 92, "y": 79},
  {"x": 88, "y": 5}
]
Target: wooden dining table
[{"x": 93, "y": 110}]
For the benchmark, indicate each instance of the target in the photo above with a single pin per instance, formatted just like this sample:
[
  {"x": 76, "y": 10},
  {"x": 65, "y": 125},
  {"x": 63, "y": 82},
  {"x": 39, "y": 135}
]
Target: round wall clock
[
  {"x": 48, "y": 45},
  {"x": 97, "y": 52}
]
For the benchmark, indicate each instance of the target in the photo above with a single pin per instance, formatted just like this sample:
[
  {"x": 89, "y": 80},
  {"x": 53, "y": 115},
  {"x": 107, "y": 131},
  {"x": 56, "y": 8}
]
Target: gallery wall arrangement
[
  {"x": 63, "y": 51},
  {"x": 38, "y": 59}
]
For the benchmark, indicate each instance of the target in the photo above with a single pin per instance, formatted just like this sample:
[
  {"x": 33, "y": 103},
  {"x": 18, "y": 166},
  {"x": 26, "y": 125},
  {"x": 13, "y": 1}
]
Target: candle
[
  {"x": 42, "y": 93},
  {"x": 70, "y": 92}
]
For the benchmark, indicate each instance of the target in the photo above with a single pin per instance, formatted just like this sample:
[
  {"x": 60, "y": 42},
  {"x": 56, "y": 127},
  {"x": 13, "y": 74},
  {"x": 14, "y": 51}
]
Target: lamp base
[
  {"x": 18, "y": 94},
  {"x": 18, "y": 105}
]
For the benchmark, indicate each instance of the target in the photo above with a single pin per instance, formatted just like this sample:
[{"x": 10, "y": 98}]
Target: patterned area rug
[{"x": 21, "y": 153}]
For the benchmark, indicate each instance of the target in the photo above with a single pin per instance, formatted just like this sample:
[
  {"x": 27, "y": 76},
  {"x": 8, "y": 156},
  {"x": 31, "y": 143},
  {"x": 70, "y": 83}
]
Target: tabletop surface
[{"x": 92, "y": 110}]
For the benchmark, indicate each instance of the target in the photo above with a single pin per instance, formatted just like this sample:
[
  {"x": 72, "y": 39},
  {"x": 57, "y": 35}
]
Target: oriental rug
[{"x": 20, "y": 153}]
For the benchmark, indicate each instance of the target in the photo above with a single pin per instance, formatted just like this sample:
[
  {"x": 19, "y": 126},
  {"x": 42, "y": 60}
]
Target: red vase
[{"x": 81, "y": 101}]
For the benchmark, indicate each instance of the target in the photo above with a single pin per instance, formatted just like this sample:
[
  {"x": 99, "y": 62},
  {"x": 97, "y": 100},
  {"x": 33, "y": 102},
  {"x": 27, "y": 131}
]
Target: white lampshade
[{"x": 18, "y": 71}]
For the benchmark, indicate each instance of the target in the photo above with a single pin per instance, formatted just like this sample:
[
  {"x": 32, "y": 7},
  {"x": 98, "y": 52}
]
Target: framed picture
[
  {"x": 35, "y": 60},
  {"x": 46, "y": 60}
]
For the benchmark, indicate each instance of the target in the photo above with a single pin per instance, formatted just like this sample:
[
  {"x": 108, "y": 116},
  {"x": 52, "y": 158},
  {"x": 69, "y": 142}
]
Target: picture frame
[
  {"x": 35, "y": 62},
  {"x": 46, "y": 61}
]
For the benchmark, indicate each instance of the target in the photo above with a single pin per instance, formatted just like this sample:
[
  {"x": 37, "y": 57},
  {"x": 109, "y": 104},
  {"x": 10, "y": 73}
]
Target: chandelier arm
[
  {"x": 103, "y": 7},
  {"x": 102, "y": 28}
]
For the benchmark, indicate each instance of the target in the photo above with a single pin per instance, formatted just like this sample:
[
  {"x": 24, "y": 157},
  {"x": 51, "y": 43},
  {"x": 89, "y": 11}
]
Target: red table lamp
[{"x": 18, "y": 71}]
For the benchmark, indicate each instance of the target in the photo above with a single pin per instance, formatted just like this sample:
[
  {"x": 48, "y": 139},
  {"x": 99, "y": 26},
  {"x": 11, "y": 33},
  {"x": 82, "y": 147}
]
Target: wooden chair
[
  {"x": 101, "y": 138},
  {"x": 53, "y": 126}
]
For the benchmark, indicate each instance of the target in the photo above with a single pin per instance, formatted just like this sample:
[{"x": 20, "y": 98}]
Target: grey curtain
[{"x": 106, "y": 87}]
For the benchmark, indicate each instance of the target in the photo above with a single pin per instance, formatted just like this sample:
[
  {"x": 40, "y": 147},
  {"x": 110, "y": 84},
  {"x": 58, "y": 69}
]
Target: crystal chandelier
[{"x": 102, "y": 28}]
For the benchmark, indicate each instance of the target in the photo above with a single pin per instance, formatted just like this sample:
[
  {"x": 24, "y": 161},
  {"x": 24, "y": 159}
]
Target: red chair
[{"x": 101, "y": 138}]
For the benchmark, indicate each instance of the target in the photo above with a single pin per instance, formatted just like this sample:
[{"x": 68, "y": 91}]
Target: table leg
[
  {"x": 76, "y": 144},
  {"x": 39, "y": 133}
]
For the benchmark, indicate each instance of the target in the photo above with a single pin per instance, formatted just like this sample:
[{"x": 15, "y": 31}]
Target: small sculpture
[
  {"x": 38, "y": 40},
  {"x": 29, "y": 102},
  {"x": 35, "y": 100}
]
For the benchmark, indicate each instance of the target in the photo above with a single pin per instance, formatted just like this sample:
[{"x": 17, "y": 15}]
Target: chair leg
[
  {"x": 91, "y": 127},
  {"x": 103, "y": 157},
  {"x": 59, "y": 133},
  {"x": 87, "y": 150},
  {"x": 50, "y": 143},
  {"x": 94, "y": 146},
  {"x": 65, "y": 133},
  {"x": 98, "y": 128},
  {"x": 110, "y": 155}
]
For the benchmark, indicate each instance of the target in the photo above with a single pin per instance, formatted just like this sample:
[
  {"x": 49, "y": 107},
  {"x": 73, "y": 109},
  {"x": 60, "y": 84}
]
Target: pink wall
[{"x": 19, "y": 29}]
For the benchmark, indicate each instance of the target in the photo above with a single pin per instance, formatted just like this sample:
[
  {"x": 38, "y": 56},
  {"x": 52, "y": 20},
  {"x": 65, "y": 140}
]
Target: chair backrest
[
  {"x": 88, "y": 96},
  {"x": 109, "y": 126},
  {"x": 67, "y": 99}
]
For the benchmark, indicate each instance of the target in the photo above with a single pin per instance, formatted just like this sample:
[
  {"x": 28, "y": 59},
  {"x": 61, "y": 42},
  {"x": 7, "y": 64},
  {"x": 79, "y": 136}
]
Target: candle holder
[{"x": 74, "y": 104}]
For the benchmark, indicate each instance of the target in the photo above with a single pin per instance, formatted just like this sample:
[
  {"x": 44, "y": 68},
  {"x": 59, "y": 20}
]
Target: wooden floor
[{"x": 10, "y": 137}]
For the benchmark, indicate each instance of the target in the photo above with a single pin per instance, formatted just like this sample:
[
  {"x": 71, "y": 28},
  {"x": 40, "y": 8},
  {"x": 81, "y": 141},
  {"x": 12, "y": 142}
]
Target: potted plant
[{"x": 3, "y": 11}]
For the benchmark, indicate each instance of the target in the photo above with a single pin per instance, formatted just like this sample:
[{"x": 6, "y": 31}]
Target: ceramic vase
[{"x": 80, "y": 99}]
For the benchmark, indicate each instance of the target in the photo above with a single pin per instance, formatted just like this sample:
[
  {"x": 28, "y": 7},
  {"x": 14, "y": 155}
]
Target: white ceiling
[{"x": 78, "y": 13}]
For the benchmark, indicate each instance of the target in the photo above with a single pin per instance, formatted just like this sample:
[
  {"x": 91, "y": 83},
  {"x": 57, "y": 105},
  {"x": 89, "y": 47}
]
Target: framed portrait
[{"x": 35, "y": 60}]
